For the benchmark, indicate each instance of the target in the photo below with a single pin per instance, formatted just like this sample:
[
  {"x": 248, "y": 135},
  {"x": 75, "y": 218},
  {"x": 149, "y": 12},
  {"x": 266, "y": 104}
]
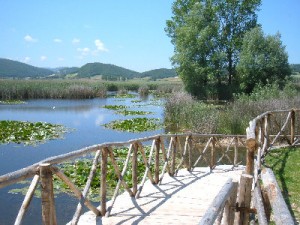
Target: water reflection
[{"x": 85, "y": 117}]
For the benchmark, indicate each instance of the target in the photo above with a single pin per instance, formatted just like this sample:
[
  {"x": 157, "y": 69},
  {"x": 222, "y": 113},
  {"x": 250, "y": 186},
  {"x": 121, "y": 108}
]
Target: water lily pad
[
  {"x": 135, "y": 124},
  {"x": 29, "y": 133}
]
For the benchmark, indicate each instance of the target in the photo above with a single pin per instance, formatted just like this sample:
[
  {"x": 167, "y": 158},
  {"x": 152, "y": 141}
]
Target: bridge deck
[{"x": 178, "y": 200}]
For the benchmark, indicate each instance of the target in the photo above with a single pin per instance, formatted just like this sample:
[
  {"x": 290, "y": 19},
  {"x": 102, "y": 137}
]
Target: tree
[
  {"x": 263, "y": 60},
  {"x": 207, "y": 38}
]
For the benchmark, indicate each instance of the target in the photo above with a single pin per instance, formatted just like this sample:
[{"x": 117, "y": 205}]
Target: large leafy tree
[
  {"x": 263, "y": 60},
  {"x": 207, "y": 38}
]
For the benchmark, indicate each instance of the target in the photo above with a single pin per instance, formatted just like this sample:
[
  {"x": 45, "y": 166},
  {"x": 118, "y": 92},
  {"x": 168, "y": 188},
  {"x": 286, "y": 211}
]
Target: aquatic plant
[
  {"x": 29, "y": 133},
  {"x": 12, "y": 102},
  {"x": 135, "y": 124},
  {"x": 126, "y": 112},
  {"x": 115, "y": 107}
]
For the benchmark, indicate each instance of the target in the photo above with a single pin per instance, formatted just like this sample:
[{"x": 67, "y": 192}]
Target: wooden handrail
[
  {"x": 270, "y": 130},
  {"x": 261, "y": 137},
  {"x": 219, "y": 203},
  {"x": 158, "y": 161}
]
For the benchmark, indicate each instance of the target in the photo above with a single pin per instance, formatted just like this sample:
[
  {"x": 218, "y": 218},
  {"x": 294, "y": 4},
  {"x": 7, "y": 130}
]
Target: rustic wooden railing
[
  {"x": 268, "y": 131},
  {"x": 167, "y": 154}
]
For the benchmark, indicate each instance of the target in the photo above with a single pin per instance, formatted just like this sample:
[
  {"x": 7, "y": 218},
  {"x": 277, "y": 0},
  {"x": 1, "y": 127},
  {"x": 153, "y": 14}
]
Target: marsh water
[{"x": 85, "y": 119}]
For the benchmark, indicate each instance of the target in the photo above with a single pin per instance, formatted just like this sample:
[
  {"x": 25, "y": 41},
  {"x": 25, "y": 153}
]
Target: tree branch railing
[
  {"x": 160, "y": 154},
  {"x": 268, "y": 131}
]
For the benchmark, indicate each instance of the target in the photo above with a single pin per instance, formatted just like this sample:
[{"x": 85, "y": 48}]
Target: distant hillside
[
  {"x": 295, "y": 68},
  {"x": 159, "y": 73},
  {"x": 15, "y": 69},
  {"x": 10, "y": 68},
  {"x": 65, "y": 70},
  {"x": 108, "y": 71}
]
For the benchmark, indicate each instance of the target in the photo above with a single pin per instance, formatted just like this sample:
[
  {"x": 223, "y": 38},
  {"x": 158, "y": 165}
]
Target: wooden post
[
  {"x": 212, "y": 154},
  {"x": 229, "y": 210},
  {"x": 104, "y": 154},
  {"x": 236, "y": 152},
  {"x": 174, "y": 144},
  {"x": 156, "y": 170},
  {"x": 251, "y": 148},
  {"x": 48, "y": 206},
  {"x": 292, "y": 126},
  {"x": 244, "y": 199},
  {"x": 134, "y": 169},
  {"x": 190, "y": 153}
]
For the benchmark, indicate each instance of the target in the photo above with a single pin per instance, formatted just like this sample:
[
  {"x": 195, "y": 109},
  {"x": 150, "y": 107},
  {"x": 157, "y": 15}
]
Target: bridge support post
[
  {"x": 292, "y": 126},
  {"x": 48, "y": 206},
  {"x": 244, "y": 199},
  {"x": 104, "y": 155}
]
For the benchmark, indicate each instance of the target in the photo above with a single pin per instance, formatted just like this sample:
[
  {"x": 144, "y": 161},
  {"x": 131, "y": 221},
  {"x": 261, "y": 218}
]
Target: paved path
[{"x": 178, "y": 200}]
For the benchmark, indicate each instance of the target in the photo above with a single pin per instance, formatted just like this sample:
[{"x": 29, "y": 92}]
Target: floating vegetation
[
  {"x": 115, "y": 107},
  {"x": 29, "y": 133},
  {"x": 12, "y": 102},
  {"x": 135, "y": 124},
  {"x": 133, "y": 113}
]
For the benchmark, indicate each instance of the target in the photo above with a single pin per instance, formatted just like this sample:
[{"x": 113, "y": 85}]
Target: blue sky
[{"x": 53, "y": 33}]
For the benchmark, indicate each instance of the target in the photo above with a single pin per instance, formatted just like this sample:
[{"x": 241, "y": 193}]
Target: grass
[{"x": 285, "y": 163}]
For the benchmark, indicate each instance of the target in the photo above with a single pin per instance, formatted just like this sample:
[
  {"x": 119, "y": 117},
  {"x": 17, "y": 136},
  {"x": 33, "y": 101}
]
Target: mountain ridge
[{"x": 15, "y": 69}]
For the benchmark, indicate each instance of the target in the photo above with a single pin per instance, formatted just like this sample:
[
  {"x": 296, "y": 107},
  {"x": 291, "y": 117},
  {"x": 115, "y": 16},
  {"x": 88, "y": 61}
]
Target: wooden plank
[
  {"x": 258, "y": 203},
  {"x": 281, "y": 212},
  {"x": 178, "y": 200},
  {"x": 218, "y": 203}
]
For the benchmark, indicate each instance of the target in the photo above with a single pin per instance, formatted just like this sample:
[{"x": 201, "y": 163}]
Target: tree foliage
[
  {"x": 263, "y": 60},
  {"x": 207, "y": 38}
]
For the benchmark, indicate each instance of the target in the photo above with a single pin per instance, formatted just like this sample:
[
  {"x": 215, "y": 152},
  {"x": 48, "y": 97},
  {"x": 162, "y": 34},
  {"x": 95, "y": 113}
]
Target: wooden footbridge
[{"x": 187, "y": 178}]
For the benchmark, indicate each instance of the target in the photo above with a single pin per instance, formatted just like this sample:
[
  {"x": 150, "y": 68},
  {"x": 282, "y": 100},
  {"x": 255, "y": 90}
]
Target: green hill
[
  {"x": 11, "y": 68},
  {"x": 107, "y": 71},
  {"x": 15, "y": 69},
  {"x": 159, "y": 73}
]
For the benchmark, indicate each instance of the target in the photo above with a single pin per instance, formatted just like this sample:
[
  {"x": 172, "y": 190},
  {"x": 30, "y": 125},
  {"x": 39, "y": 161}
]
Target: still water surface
[{"x": 86, "y": 118}]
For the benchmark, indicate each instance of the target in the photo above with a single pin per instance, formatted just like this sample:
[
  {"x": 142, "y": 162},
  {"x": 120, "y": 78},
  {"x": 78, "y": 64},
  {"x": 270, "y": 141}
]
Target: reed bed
[
  {"x": 182, "y": 112},
  {"x": 75, "y": 89}
]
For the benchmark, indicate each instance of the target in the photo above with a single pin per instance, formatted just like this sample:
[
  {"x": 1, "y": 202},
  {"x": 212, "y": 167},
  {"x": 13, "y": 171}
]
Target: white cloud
[
  {"x": 100, "y": 46},
  {"x": 84, "y": 51},
  {"x": 60, "y": 59},
  {"x": 28, "y": 38},
  {"x": 43, "y": 58},
  {"x": 75, "y": 41},
  {"x": 26, "y": 59},
  {"x": 57, "y": 40}
]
